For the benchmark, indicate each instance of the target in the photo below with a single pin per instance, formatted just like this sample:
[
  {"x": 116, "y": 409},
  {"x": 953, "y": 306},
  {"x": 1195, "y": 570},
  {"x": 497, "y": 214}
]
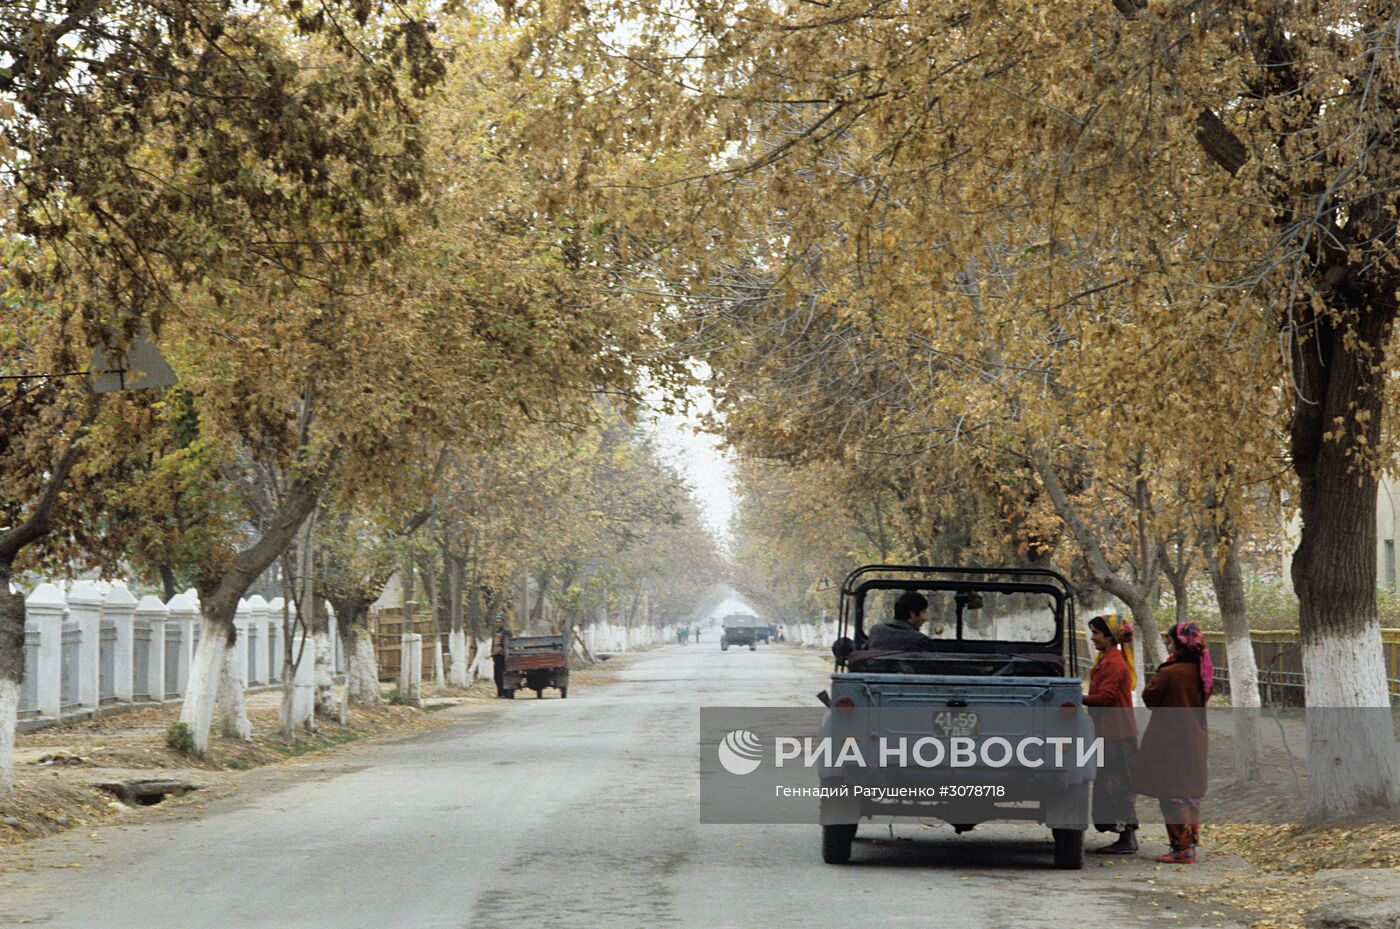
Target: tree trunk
[
  {"x": 1139, "y": 597},
  {"x": 233, "y": 706},
  {"x": 291, "y": 716},
  {"x": 206, "y": 670},
  {"x": 441, "y": 607},
  {"x": 361, "y": 664},
  {"x": 1227, "y": 579},
  {"x": 168, "y": 583},
  {"x": 1352, "y": 762},
  {"x": 325, "y": 703},
  {"x": 11, "y": 675},
  {"x": 362, "y": 679},
  {"x": 14, "y": 539},
  {"x": 456, "y": 572},
  {"x": 218, "y": 601},
  {"x": 1182, "y": 597},
  {"x": 537, "y": 610},
  {"x": 1178, "y": 572}
]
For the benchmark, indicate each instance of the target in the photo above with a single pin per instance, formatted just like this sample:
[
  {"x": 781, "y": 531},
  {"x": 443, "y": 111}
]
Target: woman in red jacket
[
  {"x": 1172, "y": 763},
  {"x": 1110, "y": 699}
]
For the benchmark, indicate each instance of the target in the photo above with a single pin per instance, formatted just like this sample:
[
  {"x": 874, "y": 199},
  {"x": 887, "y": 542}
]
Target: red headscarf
[{"x": 1192, "y": 643}]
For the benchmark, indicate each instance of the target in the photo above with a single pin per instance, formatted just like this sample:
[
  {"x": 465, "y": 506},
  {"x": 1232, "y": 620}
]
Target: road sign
[
  {"x": 825, "y": 583},
  {"x": 139, "y": 367}
]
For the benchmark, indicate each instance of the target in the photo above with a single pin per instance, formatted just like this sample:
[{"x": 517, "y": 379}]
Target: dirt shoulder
[{"x": 60, "y": 771}]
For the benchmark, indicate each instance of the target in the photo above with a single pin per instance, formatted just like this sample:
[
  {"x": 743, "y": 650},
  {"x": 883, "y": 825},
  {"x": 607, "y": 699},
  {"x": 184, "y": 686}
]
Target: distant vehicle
[
  {"x": 763, "y": 634},
  {"x": 1001, "y": 663},
  {"x": 537, "y": 662},
  {"x": 739, "y": 629}
]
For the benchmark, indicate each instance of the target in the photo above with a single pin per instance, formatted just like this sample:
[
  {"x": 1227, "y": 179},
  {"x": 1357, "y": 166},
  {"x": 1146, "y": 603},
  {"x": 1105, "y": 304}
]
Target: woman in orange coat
[
  {"x": 1172, "y": 763},
  {"x": 1110, "y": 699}
]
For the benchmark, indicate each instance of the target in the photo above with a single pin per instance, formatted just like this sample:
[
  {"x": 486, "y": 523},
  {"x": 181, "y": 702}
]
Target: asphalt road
[{"x": 577, "y": 813}]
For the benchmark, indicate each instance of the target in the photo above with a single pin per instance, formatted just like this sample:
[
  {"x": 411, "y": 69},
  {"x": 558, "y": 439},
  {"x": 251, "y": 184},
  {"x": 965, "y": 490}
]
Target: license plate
[{"x": 955, "y": 723}]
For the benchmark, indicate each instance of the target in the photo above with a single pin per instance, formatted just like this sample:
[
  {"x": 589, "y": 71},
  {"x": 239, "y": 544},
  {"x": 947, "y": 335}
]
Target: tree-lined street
[
  {"x": 379, "y": 338},
  {"x": 577, "y": 813}
]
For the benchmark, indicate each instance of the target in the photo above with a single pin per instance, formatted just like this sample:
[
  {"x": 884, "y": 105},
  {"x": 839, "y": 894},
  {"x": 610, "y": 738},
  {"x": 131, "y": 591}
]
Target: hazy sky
[{"x": 707, "y": 469}]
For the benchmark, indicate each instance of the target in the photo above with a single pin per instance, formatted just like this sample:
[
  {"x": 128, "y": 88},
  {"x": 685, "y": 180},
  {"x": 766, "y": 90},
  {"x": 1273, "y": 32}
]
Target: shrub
[{"x": 178, "y": 737}]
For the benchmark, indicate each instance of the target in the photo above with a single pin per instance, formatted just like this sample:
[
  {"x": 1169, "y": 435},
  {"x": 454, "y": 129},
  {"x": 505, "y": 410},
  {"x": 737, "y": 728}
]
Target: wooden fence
[
  {"x": 387, "y": 629},
  {"x": 1279, "y": 656}
]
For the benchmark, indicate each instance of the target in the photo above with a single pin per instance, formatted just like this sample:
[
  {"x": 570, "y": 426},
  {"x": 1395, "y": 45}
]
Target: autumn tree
[
  {"x": 1214, "y": 175},
  {"x": 151, "y": 149}
]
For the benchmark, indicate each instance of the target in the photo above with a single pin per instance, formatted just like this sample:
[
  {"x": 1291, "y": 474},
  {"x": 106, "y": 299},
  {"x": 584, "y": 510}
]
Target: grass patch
[
  {"x": 396, "y": 698},
  {"x": 315, "y": 745},
  {"x": 238, "y": 764}
]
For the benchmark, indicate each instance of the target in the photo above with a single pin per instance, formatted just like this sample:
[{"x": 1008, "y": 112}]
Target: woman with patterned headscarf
[
  {"x": 1110, "y": 699},
  {"x": 1171, "y": 765}
]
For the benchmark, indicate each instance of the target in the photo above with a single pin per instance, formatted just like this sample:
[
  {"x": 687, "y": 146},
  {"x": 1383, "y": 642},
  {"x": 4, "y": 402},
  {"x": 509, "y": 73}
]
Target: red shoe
[{"x": 1179, "y": 856}]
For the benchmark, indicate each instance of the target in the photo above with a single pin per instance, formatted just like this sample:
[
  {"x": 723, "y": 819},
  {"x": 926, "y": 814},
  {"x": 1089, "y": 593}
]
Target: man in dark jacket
[
  {"x": 902, "y": 634},
  {"x": 498, "y": 659}
]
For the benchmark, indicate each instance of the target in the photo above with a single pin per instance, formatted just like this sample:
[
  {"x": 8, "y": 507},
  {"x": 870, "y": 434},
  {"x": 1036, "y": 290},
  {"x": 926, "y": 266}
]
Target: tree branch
[{"x": 40, "y": 521}]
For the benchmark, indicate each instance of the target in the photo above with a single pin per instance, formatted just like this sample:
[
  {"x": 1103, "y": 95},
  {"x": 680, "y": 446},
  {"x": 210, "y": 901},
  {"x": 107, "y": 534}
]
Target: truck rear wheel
[
  {"x": 563, "y": 693},
  {"x": 1069, "y": 849},
  {"x": 836, "y": 842}
]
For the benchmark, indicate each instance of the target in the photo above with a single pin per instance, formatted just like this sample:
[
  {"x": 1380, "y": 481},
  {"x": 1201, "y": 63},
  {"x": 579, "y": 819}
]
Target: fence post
[
  {"x": 332, "y": 625},
  {"x": 153, "y": 612},
  {"x": 184, "y": 611},
  {"x": 85, "y": 606},
  {"x": 279, "y": 645},
  {"x": 45, "y": 607},
  {"x": 119, "y": 606},
  {"x": 240, "y": 647},
  {"x": 257, "y": 639},
  {"x": 411, "y": 667}
]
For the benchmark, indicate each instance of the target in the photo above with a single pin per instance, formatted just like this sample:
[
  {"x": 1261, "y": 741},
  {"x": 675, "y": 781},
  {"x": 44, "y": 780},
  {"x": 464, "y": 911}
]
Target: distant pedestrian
[
  {"x": 1110, "y": 701},
  {"x": 498, "y": 658},
  {"x": 1172, "y": 763},
  {"x": 697, "y": 635}
]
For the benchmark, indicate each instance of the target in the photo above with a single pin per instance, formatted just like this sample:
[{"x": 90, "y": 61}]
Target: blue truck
[{"x": 993, "y": 687}]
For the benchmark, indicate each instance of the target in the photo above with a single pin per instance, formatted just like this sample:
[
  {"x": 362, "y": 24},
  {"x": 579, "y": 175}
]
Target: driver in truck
[{"x": 902, "y": 634}]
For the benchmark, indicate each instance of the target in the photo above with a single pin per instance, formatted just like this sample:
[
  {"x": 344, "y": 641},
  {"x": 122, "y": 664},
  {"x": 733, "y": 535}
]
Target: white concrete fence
[
  {"x": 95, "y": 646},
  {"x": 608, "y": 637},
  {"x": 812, "y": 634}
]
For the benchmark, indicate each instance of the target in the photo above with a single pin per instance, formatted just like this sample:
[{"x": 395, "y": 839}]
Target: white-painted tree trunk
[
  {"x": 286, "y": 711},
  {"x": 197, "y": 711},
  {"x": 326, "y": 707},
  {"x": 481, "y": 668},
  {"x": 1245, "y": 704},
  {"x": 458, "y": 674},
  {"x": 304, "y": 689},
  {"x": 9, "y": 718},
  {"x": 362, "y": 677},
  {"x": 233, "y": 708},
  {"x": 439, "y": 672},
  {"x": 1352, "y": 757}
]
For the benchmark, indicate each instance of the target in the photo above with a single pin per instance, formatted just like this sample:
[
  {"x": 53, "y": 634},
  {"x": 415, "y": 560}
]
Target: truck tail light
[
  {"x": 844, "y": 703},
  {"x": 1069, "y": 709}
]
